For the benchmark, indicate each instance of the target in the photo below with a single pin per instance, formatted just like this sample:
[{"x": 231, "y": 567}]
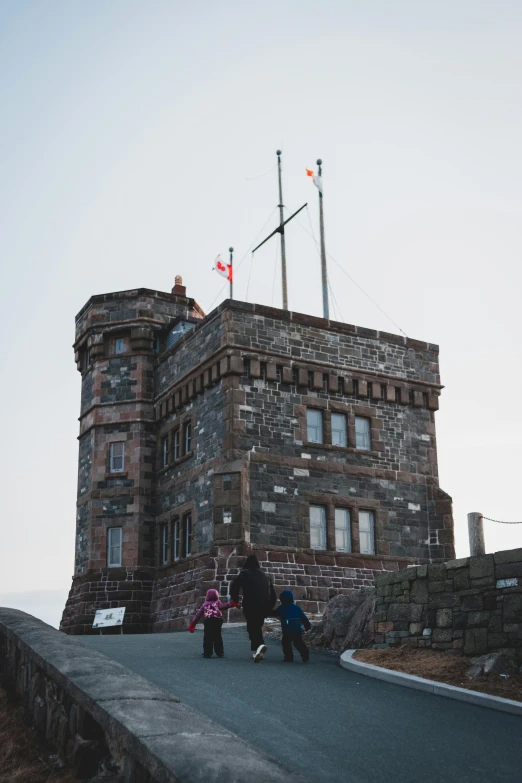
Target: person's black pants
[
  {"x": 296, "y": 639},
  {"x": 212, "y": 639},
  {"x": 254, "y": 624}
]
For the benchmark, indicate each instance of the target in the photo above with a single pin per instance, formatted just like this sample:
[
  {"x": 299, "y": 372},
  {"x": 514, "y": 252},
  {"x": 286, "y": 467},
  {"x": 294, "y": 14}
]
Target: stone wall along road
[
  {"x": 473, "y": 605},
  {"x": 102, "y": 717}
]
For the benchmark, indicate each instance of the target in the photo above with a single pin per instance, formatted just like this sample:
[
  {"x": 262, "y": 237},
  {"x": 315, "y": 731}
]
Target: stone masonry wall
[
  {"x": 109, "y": 588},
  {"x": 283, "y": 489},
  {"x": 397, "y": 478},
  {"x": 473, "y": 605},
  {"x": 299, "y": 336},
  {"x": 292, "y": 364},
  {"x": 184, "y": 484},
  {"x": 314, "y": 577}
]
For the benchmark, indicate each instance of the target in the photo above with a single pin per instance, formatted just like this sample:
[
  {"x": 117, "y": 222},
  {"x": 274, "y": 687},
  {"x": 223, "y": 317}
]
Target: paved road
[{"x": 331, "y": 725}]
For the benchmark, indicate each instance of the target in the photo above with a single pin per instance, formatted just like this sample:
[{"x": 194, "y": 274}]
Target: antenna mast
[
  {"x": 231, "y": 251},
  {"x": 324, "y": 276},
  {"x": 281, "y": 230}
]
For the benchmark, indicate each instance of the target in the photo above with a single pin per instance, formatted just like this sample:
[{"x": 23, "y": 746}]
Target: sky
[{"x": 138, "y": 141}]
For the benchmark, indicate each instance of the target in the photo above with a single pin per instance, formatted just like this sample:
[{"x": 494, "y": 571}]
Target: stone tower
[
  {"x": 116, "y": 348},
  {"x": 204, "y": 438}
]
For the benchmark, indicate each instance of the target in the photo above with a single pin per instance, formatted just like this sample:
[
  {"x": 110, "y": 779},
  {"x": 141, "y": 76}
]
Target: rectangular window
[
  {"x": 165, "y": 450},
  {"x": 175, "y": 540},
  {"x": 165, "y": 544},
  {"x": 187, "y": 525},
  {"x": 362, "y": 433},
  {"x": 314, "y": 423},
  {"x": 342, "y": 530},
  {"x": 317, "y": 527},
  {"x": 119, "y": 345},
  {"x": 227, "y": 516},
  {"x": 114, "y": 546},
  {"x": 156, "y": 344},
  {"x": 187, "y": 437},
  {"x": 227, "y": 482},
  {"x": 339, "y": 436},
  {"x": 117, "y": 457},
  {"x": 367, "y": 532},
  {"x": 176, "y": 445}
]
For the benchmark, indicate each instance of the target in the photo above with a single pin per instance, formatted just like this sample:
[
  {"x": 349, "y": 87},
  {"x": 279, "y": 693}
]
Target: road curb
[{"x": 429, "y": 686}]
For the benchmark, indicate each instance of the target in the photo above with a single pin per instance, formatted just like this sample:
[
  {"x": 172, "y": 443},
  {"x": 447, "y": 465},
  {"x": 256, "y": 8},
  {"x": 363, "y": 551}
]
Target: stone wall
[
  {"x": 185, "y": 484},
  {"x": 108, "y": 723},
  {"x": 314, "y": 577},
  {"x": 109, "y": 588},
  {"x": 297, "y": 335},
  {"x": 289, "y": 364},
  {"x": 473, "y": 605}
]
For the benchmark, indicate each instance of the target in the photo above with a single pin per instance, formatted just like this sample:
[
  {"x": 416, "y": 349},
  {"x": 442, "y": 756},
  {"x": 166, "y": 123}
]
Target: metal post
[
  {"x": 324, "y": 276},
  {"x": 282, "y": 232},
  {"x": 231, "y": 250},
  {"x": 477, "y": 545}
]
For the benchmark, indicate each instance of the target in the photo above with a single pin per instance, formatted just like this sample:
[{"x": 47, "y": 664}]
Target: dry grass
[
  {"x": 435, "y": 665},
  {"x": 23, "y": 759}
]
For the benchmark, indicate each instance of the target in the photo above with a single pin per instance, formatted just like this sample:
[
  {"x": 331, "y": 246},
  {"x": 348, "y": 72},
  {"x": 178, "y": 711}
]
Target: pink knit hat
[{"x": 212, "y": 595}]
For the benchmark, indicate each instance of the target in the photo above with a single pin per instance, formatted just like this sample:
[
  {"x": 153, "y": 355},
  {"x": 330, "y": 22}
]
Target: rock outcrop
[
  {"x": 498, "y": 662},
  {"x": 347, "y": 622}
]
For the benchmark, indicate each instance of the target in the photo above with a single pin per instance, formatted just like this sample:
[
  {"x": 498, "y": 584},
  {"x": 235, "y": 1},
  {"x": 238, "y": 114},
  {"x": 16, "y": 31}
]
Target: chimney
[{"x": 179, "y": 289}]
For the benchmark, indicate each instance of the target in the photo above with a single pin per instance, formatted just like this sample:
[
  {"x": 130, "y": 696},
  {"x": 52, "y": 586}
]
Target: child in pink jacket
[{"x": 211, "y": 610}]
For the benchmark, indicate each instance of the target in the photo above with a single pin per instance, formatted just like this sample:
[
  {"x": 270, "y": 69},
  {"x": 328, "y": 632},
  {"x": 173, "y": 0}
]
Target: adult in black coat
[{"x": 259, "y": 598}]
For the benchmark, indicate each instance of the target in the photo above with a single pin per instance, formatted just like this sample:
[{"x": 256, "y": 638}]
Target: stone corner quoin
[{"x": 204, "y": 438}]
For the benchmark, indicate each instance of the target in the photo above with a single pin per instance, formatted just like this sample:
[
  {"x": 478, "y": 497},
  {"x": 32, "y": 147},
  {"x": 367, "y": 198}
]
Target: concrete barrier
[{"x": 102, "y": 717}]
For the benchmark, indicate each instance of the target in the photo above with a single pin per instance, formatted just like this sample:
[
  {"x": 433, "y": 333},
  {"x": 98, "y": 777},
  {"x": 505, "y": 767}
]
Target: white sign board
[
  {"x": 507, "y": 582},
  {"x": 107, "y": 617}
]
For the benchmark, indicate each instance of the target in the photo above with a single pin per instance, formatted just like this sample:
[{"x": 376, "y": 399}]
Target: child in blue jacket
[{"x": 292, "y": 620}]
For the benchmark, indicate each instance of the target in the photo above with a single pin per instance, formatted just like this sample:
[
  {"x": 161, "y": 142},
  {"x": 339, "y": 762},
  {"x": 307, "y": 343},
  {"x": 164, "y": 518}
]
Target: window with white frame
[
  {"x": 114, "y": 546},
  {"x": 165, "y": 450},
  {"x": 339, "y": 430},
  {"x": 119, "y": 345},
  {"x": 342, "y": 530},
  {"x": 317, "y": 527},
  {"x": 187, "y": 437},
  {"x": 362, "y": 433},
  {"x": 176, "y": 445},
  {"x": 165, "y": 544},
  {"x": 227, "y": 516},
  {"x": 117, "y": 457},
  {"x": 314, "y": 425},
  {"x": 175, "y": 540},
  {"x": 187, "y": 538},
  {"x": 366, "y": 532}
]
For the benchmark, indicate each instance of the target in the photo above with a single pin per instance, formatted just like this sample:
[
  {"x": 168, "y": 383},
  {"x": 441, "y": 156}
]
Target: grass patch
[{"x": 450, "y": 669}]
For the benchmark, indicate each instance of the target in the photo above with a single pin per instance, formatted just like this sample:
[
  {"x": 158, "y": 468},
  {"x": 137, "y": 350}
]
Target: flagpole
[
  {"x": 231, "y": 250},
  {"x": 282, "y": 232},
  {"x": 326, "y": 309}
]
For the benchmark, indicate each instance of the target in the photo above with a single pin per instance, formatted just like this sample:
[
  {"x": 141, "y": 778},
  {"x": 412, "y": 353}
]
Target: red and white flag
[
  {"x": 317, "y": 180},
  {"x": 225, "y": 270}
]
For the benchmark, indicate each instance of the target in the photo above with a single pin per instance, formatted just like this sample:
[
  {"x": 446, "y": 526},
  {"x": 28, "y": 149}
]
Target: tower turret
[{"x": 118, "y": 339}]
